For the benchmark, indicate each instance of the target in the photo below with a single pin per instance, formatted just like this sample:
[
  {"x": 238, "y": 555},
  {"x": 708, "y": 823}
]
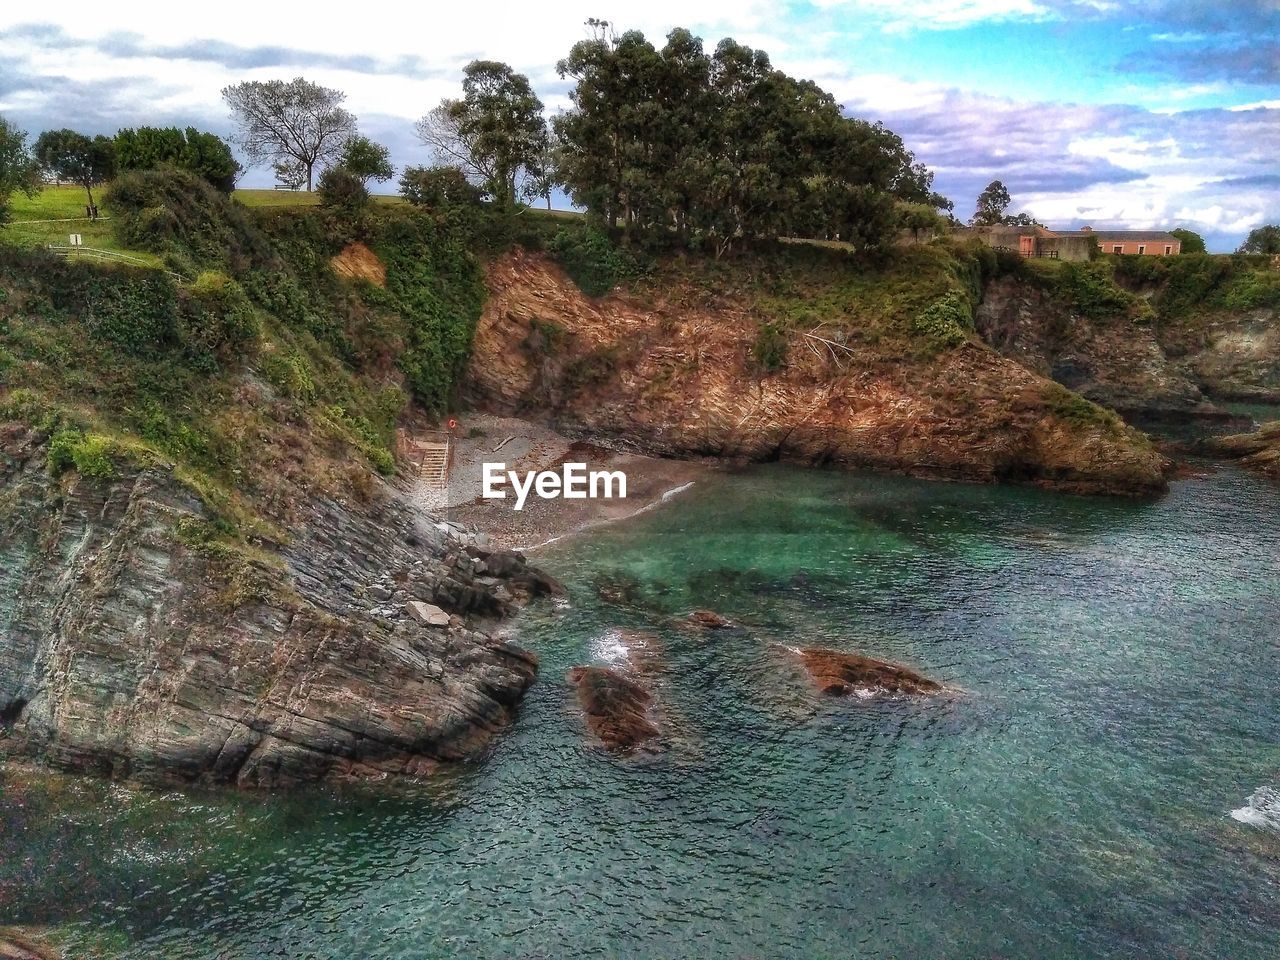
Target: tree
[
  {"x": 1023, "y": 219},
  {"x": 1262, "y": 240},
  {"x": 363, "y": 158},
  {"x": 495, "y": 133},
  {"x": 204, "y": 154},
  {"x": 1191, "y": 242},
  {"x": 296, "y": 123},
  {"x": 68, "y": 155},
  {"x": 19, "y": 171},
  {"x": 992, "y": 203}
]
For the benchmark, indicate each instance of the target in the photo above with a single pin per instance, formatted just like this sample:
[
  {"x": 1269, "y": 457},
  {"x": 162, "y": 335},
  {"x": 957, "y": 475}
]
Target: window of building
[
  {"x": 1168, "y": 249},
  {"x": 1142, "y": 248},
  {"x": 1118, "y": 248}
]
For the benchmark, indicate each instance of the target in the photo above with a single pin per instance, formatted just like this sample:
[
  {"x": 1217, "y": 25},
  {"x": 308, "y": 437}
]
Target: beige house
[
  {"x": 1077, "y": 244},
  {"x": 1143, "y": 243}
]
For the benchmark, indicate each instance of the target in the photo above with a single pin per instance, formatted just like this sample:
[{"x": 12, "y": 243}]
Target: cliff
[
  {"x": 132, "y": 646},
  {"x": 1155, "y": 341},
  {"x": 690, "y": 364}
]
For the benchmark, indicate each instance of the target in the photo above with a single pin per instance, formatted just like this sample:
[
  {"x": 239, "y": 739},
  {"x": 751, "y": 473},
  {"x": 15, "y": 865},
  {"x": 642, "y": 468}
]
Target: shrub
[
  {"x": 133, "y": 310},
  {"x": 591, "y": 259},
  {"x": 89, "y": 454},
  {"x": 944, "y": 324},
  {"x": 290, "y": 374},
  {"x": 769, "y": 352},
  {"x": 217, "y": 316},
  {"x": 343, "y": 191}
]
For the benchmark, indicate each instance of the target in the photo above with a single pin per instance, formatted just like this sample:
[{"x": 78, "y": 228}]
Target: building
[
  {"x": 1143, "y": 243},
  {"x": 1037, "y": 242},
  {"x": 1077, "y": 244}
]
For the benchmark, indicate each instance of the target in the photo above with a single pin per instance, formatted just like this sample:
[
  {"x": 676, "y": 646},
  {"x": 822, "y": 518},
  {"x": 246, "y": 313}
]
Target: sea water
[{"x": 1101, "y": 782}]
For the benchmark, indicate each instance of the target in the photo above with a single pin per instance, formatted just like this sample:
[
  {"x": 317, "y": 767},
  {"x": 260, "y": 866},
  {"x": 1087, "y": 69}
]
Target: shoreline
[{"x": 522, "y": 446}]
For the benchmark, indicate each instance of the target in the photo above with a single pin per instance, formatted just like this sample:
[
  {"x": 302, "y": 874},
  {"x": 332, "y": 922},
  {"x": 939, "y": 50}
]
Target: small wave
[
  {"x": 609, "y": 647},
  {"x": 1262, "y": 810}
]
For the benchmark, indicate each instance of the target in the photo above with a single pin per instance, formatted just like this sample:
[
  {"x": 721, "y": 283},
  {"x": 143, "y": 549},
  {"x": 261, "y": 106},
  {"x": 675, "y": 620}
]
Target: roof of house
[{"x": 1122, "y": 236}]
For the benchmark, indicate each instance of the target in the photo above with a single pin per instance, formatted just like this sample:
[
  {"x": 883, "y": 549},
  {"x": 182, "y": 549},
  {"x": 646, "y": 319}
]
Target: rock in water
[
  {"x": 840, "y": 674},
  {"x": 615, "y": 706},
  {"x": 129, "y": 648},
  {"x": 709, "y": 619}
]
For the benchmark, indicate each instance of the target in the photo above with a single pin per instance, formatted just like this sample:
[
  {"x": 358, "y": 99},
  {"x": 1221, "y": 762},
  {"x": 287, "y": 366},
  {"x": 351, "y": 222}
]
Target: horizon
[{"x": 1114, "y": 115}]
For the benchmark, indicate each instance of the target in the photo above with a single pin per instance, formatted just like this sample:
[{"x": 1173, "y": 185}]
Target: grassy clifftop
[{"x": 259, "y": 373}]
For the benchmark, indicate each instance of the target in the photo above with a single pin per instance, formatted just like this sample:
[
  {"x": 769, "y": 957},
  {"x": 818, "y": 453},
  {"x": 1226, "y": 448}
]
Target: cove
[{"x": 1118, "y": 676}]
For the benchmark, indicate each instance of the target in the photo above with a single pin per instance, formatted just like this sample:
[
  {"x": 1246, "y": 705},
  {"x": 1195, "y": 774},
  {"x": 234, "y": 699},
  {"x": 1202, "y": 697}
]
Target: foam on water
[{"x": 1262, "y": 810}]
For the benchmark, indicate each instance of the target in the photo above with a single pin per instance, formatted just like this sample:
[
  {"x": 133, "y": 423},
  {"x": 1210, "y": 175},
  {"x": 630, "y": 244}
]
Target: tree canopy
[
  {"x": 723, "y": 146},
  {"x": 205, "y": 154},
  {"x": 993, "y": 201},
  {"x": 366, "y": 159},
  {"x": 1262, "y": 240},
  {"x": 77, "y": 157},
  {"x": 496, "y": 133},
  {"x": 295, "y": 125},
  {"x": 1191, "y": 242},
  {"x": 19, "y": 171}
]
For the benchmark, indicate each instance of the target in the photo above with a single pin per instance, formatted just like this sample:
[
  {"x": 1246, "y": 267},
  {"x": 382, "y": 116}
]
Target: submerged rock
[
  {"x": 709, "y": 620},
  {"x": 839, "y": 674},
  {"x": 130, "y": 647},
  {"x": 615, "y": 706}
]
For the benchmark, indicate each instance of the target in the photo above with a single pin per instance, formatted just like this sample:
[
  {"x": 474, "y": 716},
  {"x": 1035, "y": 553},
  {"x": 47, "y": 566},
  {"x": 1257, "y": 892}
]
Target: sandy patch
[{"x": 524, "y": 446}]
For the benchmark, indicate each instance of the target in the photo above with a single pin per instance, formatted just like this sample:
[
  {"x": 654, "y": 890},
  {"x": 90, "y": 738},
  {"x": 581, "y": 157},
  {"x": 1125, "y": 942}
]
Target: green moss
[
  {"x": 90, "y": 455},
  {"x": 1076, "y": 410}
]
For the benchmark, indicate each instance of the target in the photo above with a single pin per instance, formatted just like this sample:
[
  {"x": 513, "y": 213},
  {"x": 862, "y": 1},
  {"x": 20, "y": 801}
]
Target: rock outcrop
[
  {"x": 616, "y": 707},
  {"x": 1259, "y": 450},
  {"x": 130, "y": 648},
  {"x": 839, "y": 674},
  {"x": 678, "y": 379},
  {"x": 1146, "y": 370}
]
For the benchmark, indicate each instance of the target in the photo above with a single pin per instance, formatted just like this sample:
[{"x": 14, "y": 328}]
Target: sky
[{"x": 1114, "y": 114}]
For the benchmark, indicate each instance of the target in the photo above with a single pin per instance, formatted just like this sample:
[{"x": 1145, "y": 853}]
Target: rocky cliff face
[
  {"x": 1147, "y": 370},
  {"x": 679, "y": 379},
  {"x": 127, "y": 651}
]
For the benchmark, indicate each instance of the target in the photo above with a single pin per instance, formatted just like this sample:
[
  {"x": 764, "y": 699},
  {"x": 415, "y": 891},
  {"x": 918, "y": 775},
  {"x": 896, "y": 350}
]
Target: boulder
[
  {"x": 615, "y": 706},
  {"x": 839, "y": 674},
  {"x": 427, "y": 614},
  {"x": 709, "y": 620}
]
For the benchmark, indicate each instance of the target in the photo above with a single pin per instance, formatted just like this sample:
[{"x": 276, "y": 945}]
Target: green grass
[
  {"x": 63, "y": 203},
  {"x": 296, "y": 198}
]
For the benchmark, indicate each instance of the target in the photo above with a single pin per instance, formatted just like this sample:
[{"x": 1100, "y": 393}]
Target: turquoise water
[{"x": 1118, "y": 675}]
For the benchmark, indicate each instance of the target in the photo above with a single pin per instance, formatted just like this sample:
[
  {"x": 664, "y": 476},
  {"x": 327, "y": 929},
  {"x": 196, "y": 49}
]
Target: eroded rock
[
  {"x": 709, "y": 620},
  {"x": 129, "y": 650},
  {"x": 835, "y": 673},
  {"x": 616, "y": 707}
]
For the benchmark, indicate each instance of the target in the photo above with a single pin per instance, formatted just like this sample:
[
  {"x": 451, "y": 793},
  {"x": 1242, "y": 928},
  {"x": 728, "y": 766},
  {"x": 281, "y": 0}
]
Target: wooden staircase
[{"x": 430, "y": 455}]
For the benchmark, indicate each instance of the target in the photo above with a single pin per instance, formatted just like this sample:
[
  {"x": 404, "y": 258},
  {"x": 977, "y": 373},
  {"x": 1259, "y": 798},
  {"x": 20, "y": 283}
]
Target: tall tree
[
  {"x": 992, "y": 203},
  {"x": 68, "y": 155},
  {"x": 19, "y": 171},
  {"x": 1191, "y": 242},
  {"x": 1262, "y": 240},
  {"x": 495, "y": 133},
  {"x": 295, "y": 123},
  {"x": 366, "y": 159}
]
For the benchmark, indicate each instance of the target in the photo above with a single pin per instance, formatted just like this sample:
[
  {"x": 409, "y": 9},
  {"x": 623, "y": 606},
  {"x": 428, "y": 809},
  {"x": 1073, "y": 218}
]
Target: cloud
[{"x": 1117, "y": 166}]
